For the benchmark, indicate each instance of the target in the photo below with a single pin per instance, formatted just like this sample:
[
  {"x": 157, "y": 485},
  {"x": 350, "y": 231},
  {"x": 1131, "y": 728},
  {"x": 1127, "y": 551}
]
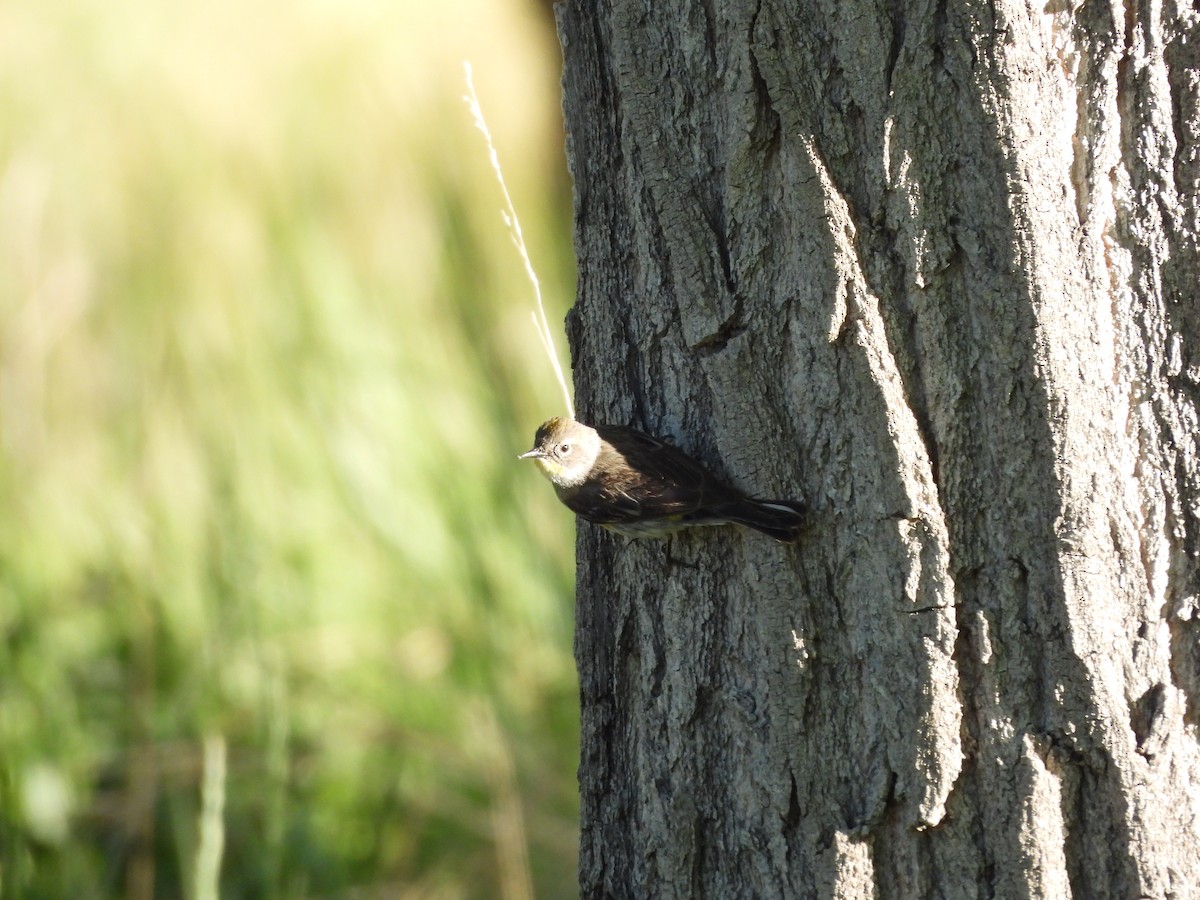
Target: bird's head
[{"x": 565, "y": 451}]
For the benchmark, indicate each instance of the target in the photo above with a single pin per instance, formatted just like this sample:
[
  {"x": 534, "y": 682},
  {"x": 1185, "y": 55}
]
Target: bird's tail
[{"x": 781, "y": 519}]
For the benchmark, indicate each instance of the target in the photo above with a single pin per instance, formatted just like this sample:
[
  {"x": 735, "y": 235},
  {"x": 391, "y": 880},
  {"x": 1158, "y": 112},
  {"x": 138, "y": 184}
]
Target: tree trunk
[{"x": 932, "y": 268}]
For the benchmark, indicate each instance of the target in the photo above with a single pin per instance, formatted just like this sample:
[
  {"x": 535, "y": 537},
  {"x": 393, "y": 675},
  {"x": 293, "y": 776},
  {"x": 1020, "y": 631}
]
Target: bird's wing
[{"x": 664, "y": 481}]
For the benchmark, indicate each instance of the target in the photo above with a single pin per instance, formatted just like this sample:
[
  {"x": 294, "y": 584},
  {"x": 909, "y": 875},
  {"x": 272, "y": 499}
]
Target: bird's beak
[{"x": 535, "y": 453}]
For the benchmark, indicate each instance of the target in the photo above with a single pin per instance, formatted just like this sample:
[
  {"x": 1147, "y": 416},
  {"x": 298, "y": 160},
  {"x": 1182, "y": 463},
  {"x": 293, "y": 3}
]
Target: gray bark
[{"x": 933, "y": 268}]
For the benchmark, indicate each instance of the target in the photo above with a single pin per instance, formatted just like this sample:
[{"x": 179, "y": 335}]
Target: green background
[{"x": 282, "y": 615}]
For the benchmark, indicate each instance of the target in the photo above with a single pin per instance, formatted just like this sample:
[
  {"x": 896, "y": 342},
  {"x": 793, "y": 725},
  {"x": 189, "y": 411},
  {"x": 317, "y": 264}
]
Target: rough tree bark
[{"x": 933, "y": 267}]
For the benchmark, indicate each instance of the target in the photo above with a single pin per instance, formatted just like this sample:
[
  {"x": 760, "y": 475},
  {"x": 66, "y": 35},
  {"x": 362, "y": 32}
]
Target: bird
[{"x": 642, "y": 486}]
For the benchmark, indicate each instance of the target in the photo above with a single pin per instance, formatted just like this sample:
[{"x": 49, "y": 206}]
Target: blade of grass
[{"x": 211, "y": 843}]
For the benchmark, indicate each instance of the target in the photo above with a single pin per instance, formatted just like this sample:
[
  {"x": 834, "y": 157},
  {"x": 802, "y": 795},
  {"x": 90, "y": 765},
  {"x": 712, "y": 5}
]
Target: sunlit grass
[{"x": 265, "y": 362}]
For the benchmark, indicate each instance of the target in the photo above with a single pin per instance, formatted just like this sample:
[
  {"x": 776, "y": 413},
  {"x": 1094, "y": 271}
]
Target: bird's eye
[{"x": 564, "y": 449}]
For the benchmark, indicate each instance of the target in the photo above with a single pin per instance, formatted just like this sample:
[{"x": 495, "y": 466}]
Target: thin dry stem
[{"x": 514, "y": 229}]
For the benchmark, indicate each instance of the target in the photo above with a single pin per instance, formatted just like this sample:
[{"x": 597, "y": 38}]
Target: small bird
[{"x": 641, "y": 486}]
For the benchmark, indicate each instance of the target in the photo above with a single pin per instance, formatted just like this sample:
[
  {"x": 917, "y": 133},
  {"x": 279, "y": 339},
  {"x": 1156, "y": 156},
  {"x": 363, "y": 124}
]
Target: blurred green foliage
[{"x": 282, "y": 615}]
